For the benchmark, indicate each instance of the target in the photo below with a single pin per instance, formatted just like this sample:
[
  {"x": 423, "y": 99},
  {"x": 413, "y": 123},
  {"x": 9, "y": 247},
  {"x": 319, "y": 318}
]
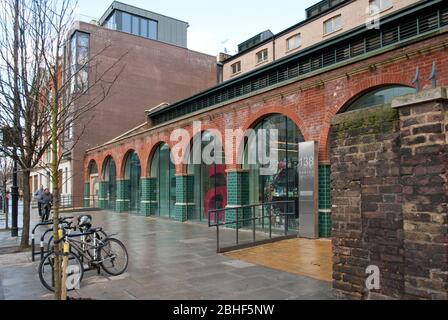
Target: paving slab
[{"x": 167, "y": 260}]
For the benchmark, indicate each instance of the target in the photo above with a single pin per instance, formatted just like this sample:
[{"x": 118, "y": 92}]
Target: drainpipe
[{"x": 273, "y": 48}]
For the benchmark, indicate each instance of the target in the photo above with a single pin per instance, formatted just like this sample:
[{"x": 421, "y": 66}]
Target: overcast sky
[{"x": 215, "y": 25}]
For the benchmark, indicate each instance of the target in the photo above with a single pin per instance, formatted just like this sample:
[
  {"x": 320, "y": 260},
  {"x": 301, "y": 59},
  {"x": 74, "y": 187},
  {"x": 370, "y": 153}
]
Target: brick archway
[
  {"x": 87, "y": 164},
  {"x": 124, "y": 161},
  {"x": 151, "y": 154},
  {"x": 259, "y": 116},
  {"x": 183, "y": 168},
  {"x": 104, "y": 163}
]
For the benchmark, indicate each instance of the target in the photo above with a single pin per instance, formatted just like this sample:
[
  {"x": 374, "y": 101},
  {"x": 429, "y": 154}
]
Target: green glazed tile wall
[
  {"x": 238, "y": 194},
  {"x": 184, "y": 197},
  {"x": 122, "y": 204},
  {"x": 103, "y": 201},
  {"x": 325, "y": 222},
  {"x": 148, "y": 204},
  {"x": 86, "y": 201}
]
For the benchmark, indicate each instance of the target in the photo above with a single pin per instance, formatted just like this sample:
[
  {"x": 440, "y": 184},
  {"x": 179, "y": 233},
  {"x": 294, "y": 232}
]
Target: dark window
[
  {"x": 134, "y": 24},
  {"x": 236, "y": 67}
]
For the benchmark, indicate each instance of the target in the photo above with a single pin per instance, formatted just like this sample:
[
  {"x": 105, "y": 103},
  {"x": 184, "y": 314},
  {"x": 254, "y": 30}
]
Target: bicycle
[
  {"x": 69, "y": 227},
  {"x": 109, "y": 254}
]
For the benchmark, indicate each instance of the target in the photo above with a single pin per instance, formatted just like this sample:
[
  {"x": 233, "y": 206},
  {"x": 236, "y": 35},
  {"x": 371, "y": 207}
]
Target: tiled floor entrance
[{"x": 311, "y": 258}]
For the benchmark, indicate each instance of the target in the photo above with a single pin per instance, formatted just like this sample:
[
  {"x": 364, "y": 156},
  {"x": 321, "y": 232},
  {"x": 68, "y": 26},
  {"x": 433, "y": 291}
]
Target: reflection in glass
[
  {"x": 152, "y": 29},
  {"x": 379, "y": 97},
  {"x": 144, "y": 28},
  {"x": 110, "y": 177},
  {"x": 283, "y": 185},
  {"x": 126, "y": 22},
  {"x": 163, "y": 169},
  {"x": 210, "y": 180},
  {"x": 135, "y": 25},
  {"x": 132, "y": 175}
]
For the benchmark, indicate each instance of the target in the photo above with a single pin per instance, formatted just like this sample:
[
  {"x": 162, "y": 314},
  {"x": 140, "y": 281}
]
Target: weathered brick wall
[
  {"x": 390, "y": 198},
  {"x": 424, "y": 168},
  {"x": 367, "y": 218}
]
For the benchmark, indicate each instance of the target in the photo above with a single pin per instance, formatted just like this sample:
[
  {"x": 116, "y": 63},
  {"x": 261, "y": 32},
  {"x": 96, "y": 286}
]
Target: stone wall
[{"x": 389, "y": 170}]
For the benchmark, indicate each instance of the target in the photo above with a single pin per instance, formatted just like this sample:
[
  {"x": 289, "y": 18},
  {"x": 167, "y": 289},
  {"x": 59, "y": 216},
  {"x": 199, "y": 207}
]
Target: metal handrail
[{"x": 253, "y": 219}]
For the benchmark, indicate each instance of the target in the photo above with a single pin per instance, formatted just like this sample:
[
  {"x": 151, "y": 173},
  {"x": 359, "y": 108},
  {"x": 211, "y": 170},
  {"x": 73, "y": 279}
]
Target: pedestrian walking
[
  {"x": 46, "y": 201},
  {"x": 37, "y": 195}
]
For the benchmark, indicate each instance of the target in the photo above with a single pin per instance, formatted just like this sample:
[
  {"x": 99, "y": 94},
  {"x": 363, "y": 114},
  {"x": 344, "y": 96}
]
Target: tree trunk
[
  {"x": 56, "y": 192},
  {"x": 25, "y": 242}
]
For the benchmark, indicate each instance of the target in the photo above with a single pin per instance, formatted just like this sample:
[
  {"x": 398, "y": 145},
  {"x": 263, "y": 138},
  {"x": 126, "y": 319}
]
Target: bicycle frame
[{"x": 82, "y": 246}]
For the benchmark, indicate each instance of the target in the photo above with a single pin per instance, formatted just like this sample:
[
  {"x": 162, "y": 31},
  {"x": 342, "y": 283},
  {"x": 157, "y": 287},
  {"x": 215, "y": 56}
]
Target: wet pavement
[{"x": 167, "y": 260}]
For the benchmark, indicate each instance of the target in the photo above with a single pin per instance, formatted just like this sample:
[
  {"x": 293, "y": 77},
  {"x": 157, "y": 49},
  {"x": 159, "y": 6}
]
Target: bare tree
[
  {"x": 43, "y": 93},
  {"x": 6, "y": 168}
]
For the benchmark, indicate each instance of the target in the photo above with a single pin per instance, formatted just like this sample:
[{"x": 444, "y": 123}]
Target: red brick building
[
  {"x": 300, "y": 95},
  {"x": 151, "y": 67}
]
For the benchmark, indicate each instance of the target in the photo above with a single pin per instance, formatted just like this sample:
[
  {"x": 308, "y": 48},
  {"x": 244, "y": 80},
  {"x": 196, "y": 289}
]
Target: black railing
[
  {"x": 273, "y": 221},
  {"x": 397, "y": 29},
  {"x": 69, "y": 202}
]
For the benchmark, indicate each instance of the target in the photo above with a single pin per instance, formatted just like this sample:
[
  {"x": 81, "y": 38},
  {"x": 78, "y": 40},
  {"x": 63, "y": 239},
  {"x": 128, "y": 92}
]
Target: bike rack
[
  {"x": 42, "y": 250},
  {"x": 33, "y": 234}
]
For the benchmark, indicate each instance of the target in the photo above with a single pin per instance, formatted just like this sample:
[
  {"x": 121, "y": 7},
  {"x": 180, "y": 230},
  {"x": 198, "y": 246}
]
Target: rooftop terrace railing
[{"x": 408, "y": 24}]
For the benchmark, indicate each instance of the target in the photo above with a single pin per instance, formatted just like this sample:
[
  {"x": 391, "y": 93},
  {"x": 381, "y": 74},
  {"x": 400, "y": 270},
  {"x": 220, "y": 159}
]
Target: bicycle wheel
[
  {"x": 50, "y": 244},
  {"x": 75, "y": 271},
  {"x": 114, "y": 257}
]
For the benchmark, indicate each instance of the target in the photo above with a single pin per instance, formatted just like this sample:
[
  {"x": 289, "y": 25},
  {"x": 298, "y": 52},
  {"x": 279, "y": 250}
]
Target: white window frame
[
  {"x": 383, "y": 6},
  {"x": 234, "y": 69},
  {"x": 333, "y": 20},
  {"x": 262, "y": 56},
  {"x": 295, "y": 46}
]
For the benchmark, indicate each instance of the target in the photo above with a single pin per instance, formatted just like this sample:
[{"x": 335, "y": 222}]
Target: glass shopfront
[
  {"x": 132, "y": 175},
  {"x": 210, "y": 179},
  {"x": 164, "y": 171},
  {"x": 110, "y": 177},
  {"x": 283, "y": 184}
]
